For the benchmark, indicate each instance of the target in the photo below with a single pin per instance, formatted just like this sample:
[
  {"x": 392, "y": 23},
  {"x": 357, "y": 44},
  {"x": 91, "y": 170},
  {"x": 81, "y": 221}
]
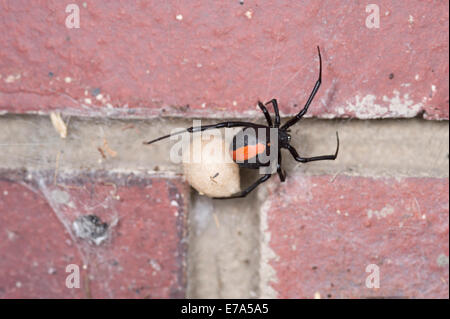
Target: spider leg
[
  {"x": 246, "y": 191},
  {"x": 277, "y": 112},
  {"x": 280, "y": 171},
  {"x": 266, "y": 113},
  {"x": 296, "y": 118},
  {"x": 315, "y": 158},
  {"x": 209, "y": 127}
]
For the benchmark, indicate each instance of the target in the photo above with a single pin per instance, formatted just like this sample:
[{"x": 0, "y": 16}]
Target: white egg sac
[{"x": 209, "y": 168}]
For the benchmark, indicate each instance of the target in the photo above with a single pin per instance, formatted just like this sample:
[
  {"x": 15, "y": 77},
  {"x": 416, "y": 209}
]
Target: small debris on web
[
  {"x": 59, "y": 124},
  {"x": 101, "y": 152},
  {"x": 91, "y": 228},
  {"x": 108, "y": 149},
  {"x": 212, "y": 177}
]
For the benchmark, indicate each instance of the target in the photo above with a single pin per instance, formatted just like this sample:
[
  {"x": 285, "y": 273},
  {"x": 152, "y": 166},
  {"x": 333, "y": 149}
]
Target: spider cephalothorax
[{"x": 254, "y": 140}]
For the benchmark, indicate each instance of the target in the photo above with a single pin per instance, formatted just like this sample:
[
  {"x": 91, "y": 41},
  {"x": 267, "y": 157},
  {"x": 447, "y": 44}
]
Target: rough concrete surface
[
  {"x": 373, "y": 148},
  {"x": 224, "y": 248}
]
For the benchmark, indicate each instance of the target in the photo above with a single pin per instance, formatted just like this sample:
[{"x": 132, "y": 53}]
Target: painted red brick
[
  {"x": 325, "y": 232},
  {"x": 143, "y": 256},
  {"x": 219, "y": 58},
  {"x": 34, "y": 247}
]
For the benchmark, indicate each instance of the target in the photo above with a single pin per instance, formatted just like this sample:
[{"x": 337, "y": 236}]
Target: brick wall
[{"x": 131, "y": 72}]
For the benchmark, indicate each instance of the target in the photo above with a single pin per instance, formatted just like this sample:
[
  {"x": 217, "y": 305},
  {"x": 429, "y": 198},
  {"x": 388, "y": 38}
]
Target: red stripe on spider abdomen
[{"x": 246, "y": 152}]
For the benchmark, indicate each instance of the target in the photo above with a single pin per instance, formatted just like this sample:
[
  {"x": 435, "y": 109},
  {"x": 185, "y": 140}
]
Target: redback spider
[{"x": 248, "y": 145}]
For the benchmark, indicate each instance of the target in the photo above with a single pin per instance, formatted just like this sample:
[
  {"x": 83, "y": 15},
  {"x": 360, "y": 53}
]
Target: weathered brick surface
[
  {"x": 142, "y": 257},
  {"x": 34, "y": 247},
  {"x": 325, "y": 232},
  {"x": 218, "y": 58}
]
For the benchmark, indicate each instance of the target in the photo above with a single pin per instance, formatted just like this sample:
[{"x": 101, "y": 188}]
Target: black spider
[{"x": 248, "y": 145}]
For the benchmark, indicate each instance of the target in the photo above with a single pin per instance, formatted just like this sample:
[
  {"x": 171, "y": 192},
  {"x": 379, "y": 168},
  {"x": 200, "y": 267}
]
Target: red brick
[
  {"x": 34, "y": 247},
  {"x": 325, "y": 232},
  {"x": 143, "y": 256},
  {"x": 148, "y": 63}
]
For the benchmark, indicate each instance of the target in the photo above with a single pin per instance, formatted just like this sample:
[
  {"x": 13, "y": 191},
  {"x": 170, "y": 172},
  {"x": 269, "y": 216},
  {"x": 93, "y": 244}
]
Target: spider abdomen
[{"x": 251, "y": 147}]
